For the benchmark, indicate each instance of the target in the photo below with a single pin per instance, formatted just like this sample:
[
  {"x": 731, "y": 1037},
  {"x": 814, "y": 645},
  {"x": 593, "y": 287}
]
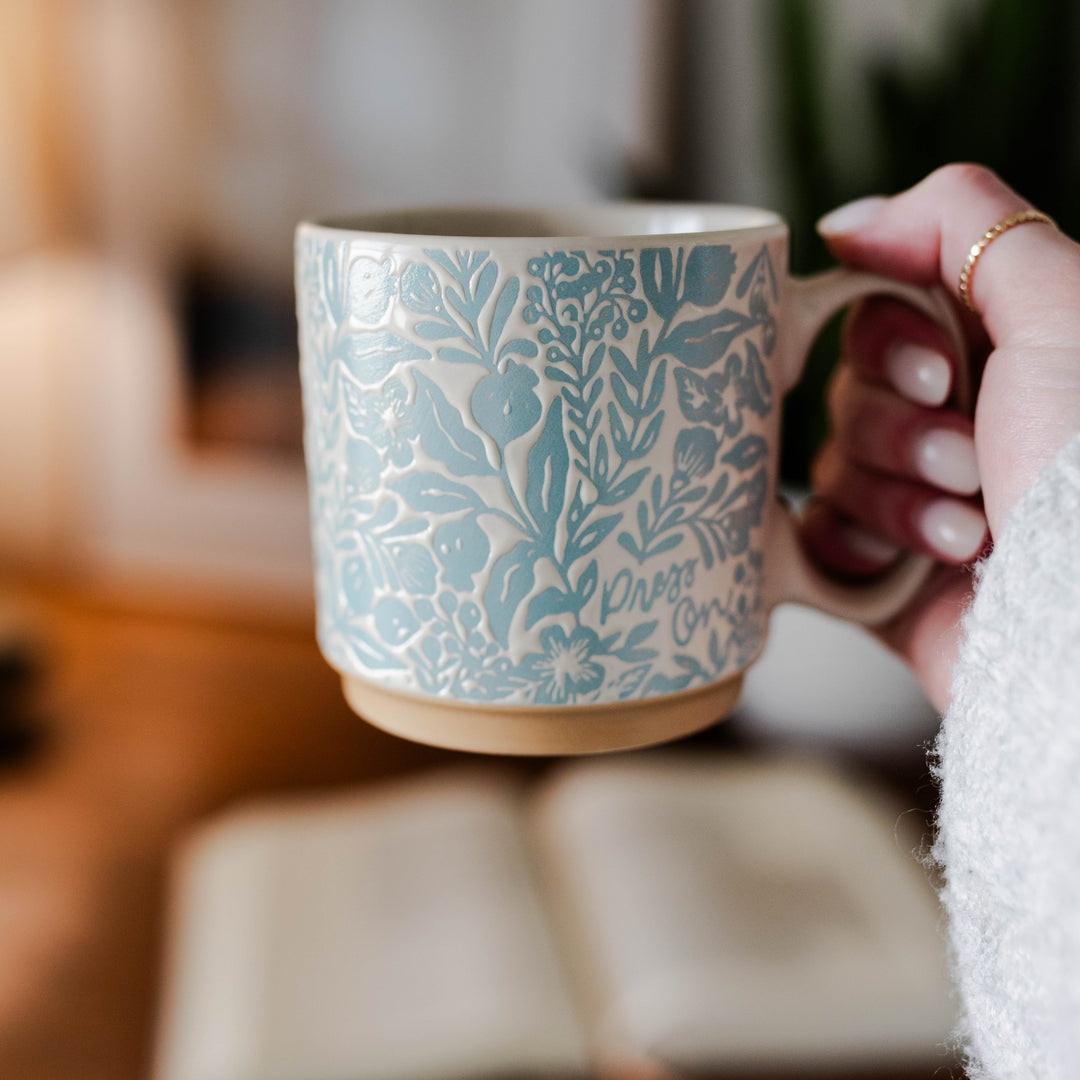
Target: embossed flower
[
  {"x": 505, "y": 405},
  {"x": 712, "y": 399},
  {"x": 370, "y": 288},
  {"x": 695, "y": 455},
  {"x": 420, "y": 290},
  {"x": 363, "y": 468},
  {"x": 385, "y": 419},
  {"x": 565, "y": 670}
]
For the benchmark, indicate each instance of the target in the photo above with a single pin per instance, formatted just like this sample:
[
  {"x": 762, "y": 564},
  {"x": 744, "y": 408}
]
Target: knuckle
[
  {"x": 966, "y": 177},
  {"x": 836, "y": 389},
  {"x": 825, "y": 469}
]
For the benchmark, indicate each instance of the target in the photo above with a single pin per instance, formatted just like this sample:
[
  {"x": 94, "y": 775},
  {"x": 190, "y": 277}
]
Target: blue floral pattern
[{"x": 537, "y": 482}]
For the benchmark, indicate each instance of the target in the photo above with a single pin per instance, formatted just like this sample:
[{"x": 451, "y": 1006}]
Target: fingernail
[
  {"x": 921, "y": 374},
  {"x": 946, "y": 458},
  {"x": 868, "y": 545},
  {"x": 953, "y": 529},
  {"x": 851, "y": 216}
]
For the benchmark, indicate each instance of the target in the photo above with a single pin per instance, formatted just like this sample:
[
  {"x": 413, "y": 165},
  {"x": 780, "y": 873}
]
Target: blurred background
[{"x": 155, "y": 588}]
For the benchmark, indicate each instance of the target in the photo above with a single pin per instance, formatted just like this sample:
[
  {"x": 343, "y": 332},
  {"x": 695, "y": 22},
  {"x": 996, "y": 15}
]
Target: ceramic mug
[{"x": 542, "y": 451}]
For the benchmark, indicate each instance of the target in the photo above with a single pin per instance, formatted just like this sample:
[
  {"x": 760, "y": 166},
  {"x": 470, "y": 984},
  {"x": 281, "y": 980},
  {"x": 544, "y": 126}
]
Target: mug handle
[{"x": 792, "y": 574}]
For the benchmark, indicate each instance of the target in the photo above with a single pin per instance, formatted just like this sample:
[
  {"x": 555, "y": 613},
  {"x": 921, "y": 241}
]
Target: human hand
[{"x": 902, "y": 469}]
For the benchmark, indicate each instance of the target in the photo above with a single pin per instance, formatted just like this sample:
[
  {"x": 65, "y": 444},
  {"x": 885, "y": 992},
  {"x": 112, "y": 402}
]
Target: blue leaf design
[
  {"x": 622, "y": 362},
  {"x": 662, "y": 684},
  {"x": 627, "y": 541},
  {"x": 666, "y": 544},
  {"x": 624, "y": 489},
  {"x": 595, "y": 361},
  {"x": 622, "y": 395},
  {"x": 639, "y": 634},
  {"x": 549, "y": 462},
  {"x": 558, "y": 375},
  {"x": 409, "y": 527},
  {"x": 586, "y": 584},
  {"x": 484, "y": 285},
  {"x": 443, "y": 259},
  {"x": 747, "y": 452},
  {"x": 754, "y": 386},
  {"x": 464, "y": 308},
  {"x": 700, "y": 343},
  {"x": 432, "y": 493},
  {"x": 656, "y": 392},
  {"x": 444, "y": 434},
  {"x": 651, "y": 434},
  {"x": 708, "y": 273},
  {"x": 503, "y": 307},
  {"x": 591, "y": 537},
  {"x": 520, "y": 346},
  {"x": 370, "y": 355},
  {"x": 659, "y": 279},
  {"x": 618, "y": 431},
  {"x": 436, "y": 331},
  {"x": 551, "y": 601},
  {"x": 458, "y": 356},
  {"x": 512, "y": 579}
]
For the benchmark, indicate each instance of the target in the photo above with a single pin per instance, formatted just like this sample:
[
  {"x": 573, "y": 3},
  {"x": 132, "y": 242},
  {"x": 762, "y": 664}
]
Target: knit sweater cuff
[{"x": 1009, "y": 761}]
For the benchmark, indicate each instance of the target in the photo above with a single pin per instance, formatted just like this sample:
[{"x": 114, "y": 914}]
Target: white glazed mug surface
[{"x": 542, "y": 452}]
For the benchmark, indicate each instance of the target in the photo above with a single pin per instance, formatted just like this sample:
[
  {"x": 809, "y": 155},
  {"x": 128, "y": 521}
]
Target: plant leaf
[
  {"x": 444, "y": 434},
  {"x": 503, "y": 306},
  {"x": 650, "y": 435},
  {"x": 436, "y": 331},
  {"x": 658, "y": 279},
  {"x": 552, "y": 601},
  {"x": 432, "y": 493},
  {"x": 708, "y": 273},
  {"x": 370, "y": 355},
  {"x": 622, "y": 395},
  {"x": 512, "y": 579},
  {"x": 592, "y": 537},
  {"x": 747, "y": 452},
  {"x": 548, "y": 465},
  {"x": 624, "y": 489},
  {"x": 485, "y": 284},
  {"x": 700, "y": 343}
]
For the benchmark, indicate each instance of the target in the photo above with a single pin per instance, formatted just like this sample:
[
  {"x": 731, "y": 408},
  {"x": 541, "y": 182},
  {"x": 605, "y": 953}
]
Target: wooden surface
[{"x": 149, "y": 723}]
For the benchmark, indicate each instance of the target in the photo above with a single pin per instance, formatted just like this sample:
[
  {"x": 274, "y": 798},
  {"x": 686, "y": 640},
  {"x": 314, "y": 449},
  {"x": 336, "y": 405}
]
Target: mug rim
[{"x": 676, "y": 222}]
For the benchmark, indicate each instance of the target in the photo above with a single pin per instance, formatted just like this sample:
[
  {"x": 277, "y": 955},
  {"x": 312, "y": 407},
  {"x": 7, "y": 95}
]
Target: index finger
[{"x": 1026, "y": 282}]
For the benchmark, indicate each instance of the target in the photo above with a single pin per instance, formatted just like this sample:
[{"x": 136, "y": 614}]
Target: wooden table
[{"x": 150, "y": 722}]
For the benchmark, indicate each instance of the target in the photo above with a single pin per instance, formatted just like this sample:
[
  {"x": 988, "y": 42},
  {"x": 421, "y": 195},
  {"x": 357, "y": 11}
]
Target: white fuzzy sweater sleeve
[{"x": 1009, "y": 823}]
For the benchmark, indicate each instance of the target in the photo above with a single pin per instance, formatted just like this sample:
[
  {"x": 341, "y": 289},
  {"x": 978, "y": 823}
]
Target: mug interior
[{"x": 610, "y": 220}]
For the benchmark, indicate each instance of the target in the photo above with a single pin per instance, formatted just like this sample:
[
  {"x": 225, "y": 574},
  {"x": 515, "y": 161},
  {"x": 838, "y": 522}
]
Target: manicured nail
[
  {"x": 921, "y": 374},
  {"x": 953, "y": 529},
  {"x": 946, "y": 458},
  {"x": 868, "y": 545},
  {"x": 851, "y": 216}
]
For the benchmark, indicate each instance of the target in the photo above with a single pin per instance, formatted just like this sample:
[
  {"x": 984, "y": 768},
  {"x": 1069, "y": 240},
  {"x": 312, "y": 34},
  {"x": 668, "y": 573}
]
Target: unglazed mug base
[{"x": 536, "y": 730}]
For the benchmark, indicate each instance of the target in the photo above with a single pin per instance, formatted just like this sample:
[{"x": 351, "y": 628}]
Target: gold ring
[{"x": 987, "y": 239}]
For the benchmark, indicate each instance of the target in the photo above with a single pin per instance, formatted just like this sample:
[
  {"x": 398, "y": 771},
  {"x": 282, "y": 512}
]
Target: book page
[
  {"x": 721, "y": 914},
  {"x": 393, "y": 934}
]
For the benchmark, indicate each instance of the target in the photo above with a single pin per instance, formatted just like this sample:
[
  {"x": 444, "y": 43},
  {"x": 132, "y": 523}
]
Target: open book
[{"x": 646, "y": 915}]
